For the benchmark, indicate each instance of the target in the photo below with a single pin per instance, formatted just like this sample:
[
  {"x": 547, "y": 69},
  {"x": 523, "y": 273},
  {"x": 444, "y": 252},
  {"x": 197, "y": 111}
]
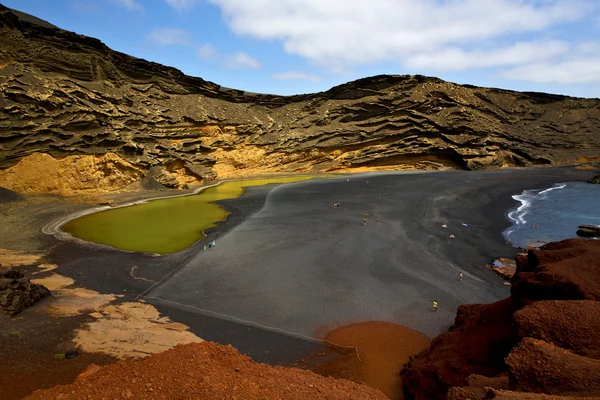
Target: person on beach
[
  {"x": 214, "y": 243},
  {"x": 364, "y": 221},
  {"x": 435, "y": 306},
  {"x": 460, "y": 276},
  {"x": 209, "y": 245}
]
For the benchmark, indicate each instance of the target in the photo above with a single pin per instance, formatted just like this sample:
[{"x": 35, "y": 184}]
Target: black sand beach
[{"x": 300, "y": 266}]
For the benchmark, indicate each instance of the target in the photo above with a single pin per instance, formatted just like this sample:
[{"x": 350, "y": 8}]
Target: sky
[{"x": 304, "y": 46}]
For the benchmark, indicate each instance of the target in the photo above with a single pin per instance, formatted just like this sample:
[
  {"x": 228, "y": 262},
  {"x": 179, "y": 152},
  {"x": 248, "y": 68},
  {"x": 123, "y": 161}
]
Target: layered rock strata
[
  {"x": 542, "y": 339},
  {"x": 67, "y": 95}
]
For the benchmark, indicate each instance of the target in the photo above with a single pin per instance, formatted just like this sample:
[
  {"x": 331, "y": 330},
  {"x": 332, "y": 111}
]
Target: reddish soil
[
  {"x": 483, "y": 335},
  {"x": 205, "y": 371},
  {"x": 375, "y": 353}
]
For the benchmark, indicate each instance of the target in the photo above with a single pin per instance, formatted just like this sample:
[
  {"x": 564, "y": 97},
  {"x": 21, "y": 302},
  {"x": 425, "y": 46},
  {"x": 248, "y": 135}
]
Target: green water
[{"x": 163, "y": 226}]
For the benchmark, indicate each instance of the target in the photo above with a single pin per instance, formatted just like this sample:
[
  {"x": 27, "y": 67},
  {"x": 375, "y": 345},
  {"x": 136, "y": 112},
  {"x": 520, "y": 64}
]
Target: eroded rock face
[
  {"x": 537, "y": 366},
  {"x": 66, "y": 94},
  {"x": 570, "y": 324},
  {"x": 553, "y": 314},
  {"x": 41, "y": 172},
  {"x": 566, "y": 270},
  {"x": 17, "y": 292}
]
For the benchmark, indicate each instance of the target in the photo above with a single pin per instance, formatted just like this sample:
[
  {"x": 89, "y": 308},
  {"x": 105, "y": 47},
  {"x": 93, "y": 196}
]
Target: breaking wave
[{"x": 546, "y": 215}]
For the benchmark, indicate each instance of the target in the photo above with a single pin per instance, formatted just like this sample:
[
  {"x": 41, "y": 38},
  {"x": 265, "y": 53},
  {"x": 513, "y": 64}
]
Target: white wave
[
  {"x": 518, "y": 216},
  {"x": 557, "y": 186}
]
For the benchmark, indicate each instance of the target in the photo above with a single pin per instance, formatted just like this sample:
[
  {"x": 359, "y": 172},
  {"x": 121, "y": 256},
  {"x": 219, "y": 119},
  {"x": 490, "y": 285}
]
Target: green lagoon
[{"x": 163, "y": 226}]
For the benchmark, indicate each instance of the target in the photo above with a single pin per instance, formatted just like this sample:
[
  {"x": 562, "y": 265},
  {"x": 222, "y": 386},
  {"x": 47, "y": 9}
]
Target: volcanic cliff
[
  {"x": 91, "y": 118},
  {"x": 543, "y": 339}
]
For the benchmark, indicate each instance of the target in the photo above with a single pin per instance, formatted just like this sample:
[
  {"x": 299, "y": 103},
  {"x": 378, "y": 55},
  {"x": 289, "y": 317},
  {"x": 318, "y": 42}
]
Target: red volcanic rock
[
  {"x": 467, "y": 393},
  {"x": 482, "y": 336},
  {"x": 571, "y": 324},
  {"x": 566, "y": 270},
  {"x": 537, "y": 366},
  {"x": 477, "y": 343},
  {"x": 496, "y": 382},
  {"x": 204, "y": 371}
]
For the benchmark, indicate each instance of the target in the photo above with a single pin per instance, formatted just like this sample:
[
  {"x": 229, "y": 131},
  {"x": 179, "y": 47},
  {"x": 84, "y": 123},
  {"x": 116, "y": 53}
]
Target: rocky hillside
[
  {"x": 69, "y": 100},
  {"x": 543, "y": 339}
]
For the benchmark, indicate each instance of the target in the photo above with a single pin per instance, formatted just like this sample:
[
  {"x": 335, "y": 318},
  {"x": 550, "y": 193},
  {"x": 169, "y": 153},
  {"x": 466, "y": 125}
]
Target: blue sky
[{"x": 302, "y": 46}]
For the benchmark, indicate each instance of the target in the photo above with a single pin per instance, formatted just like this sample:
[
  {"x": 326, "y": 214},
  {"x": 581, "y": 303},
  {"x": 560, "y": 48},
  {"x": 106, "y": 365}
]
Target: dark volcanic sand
[
  {"x": 299, "y": 265},
  {"x": 28, "y": 361}
]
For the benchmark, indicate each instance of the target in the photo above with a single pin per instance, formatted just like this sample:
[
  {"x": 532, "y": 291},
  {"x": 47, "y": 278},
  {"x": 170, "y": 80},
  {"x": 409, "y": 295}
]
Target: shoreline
[
  {"x": 110, "y": 270},
  {"x": 53, "y": 228}
]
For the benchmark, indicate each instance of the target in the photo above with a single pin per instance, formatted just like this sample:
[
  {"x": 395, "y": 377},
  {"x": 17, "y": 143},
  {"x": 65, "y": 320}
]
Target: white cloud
[
  {"x": 343, "y": 33},
  {"x": 181, "y": 5},
  {"x": 168, "y": 36},
  {"x": 581, "y": 64},
  {"x": 296, "y": 76},
  {"x": 578, "y": 70},
  {"x": 128, "y": 4},
  {"x": 207, "y": 52},
  {"x": 241, "y": 60},
  {"x": 457, "y": 59}
]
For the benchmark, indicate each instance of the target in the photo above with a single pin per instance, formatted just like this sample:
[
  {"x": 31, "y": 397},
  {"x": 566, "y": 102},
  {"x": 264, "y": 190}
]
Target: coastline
[{"x": 110, "y": 270}]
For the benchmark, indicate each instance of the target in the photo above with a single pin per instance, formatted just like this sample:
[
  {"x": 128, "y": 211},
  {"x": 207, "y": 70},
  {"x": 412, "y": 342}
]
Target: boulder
[
  {"x": 570, "y": 324},
  {"x": 200, "y": 171},
  {"x": 537, "y": 366},
  {"x": 588, "y": 231},
  {"x": 566, "y": 270},
  {"x": 595, "y": 179},
  {"x": 162, "y": 176},
  {"x": 504, "y": 267},
  {"x": 17, "y": 292}
]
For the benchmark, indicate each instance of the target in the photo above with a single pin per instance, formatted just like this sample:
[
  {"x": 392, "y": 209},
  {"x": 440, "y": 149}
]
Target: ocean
[{"x": 552, "y": 214}]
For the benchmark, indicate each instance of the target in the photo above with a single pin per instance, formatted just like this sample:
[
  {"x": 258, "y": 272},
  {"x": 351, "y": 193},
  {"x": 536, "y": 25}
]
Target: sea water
[{"x": 552, "y": 214}]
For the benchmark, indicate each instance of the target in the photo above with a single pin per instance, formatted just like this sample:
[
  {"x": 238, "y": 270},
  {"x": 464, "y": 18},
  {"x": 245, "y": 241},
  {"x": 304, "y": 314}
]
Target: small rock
[
  {"x": 15, "y": 334},
  {"x": 71, "y": 354},
  {"x": 588, "y": 230}
]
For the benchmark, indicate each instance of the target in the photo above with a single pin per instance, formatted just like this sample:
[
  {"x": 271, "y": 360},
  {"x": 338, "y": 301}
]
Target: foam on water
[{"x": 552, "y": 214}]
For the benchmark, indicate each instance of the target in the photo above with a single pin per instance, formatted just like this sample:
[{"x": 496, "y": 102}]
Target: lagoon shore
[{"x": 295, "y": 227}]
